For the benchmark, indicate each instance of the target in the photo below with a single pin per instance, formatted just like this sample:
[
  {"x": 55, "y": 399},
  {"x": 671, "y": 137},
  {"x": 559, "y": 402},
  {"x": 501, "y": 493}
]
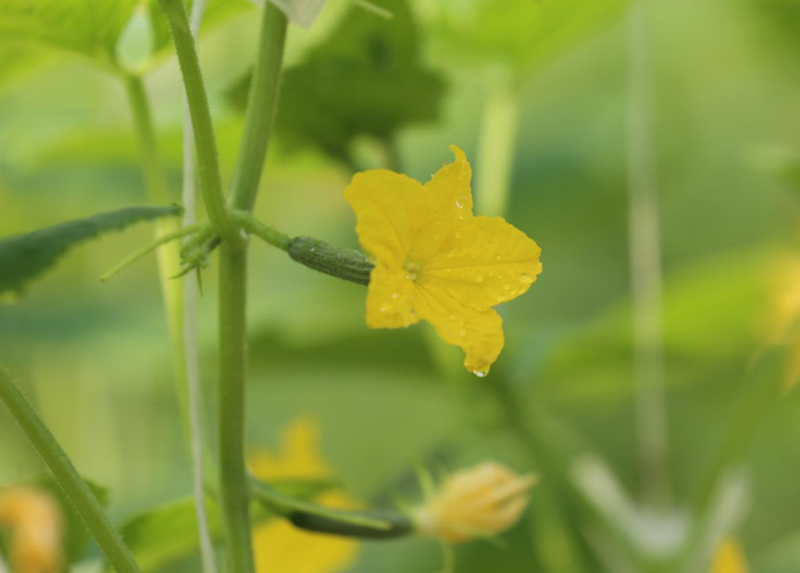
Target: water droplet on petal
[
  {"x": 499, "y": 257},
  {"x": 385, "y": 307},
  {"x": 507, "y": 286},
  {"x": 479, "y": 277},
  {"x": 525, "y": 278},
  {"x": 462, "y": 332},
  {"x": 462, "y": 200},
  {"x": 394, "y": 295}
]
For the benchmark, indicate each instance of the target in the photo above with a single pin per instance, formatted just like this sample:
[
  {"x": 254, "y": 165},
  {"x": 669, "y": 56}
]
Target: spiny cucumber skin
[{"x": 345, "y": 264}]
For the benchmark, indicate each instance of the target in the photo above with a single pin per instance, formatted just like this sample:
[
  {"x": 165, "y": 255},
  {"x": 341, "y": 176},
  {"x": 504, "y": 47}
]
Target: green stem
[
  {"x": 143, "y": 123},
  {"x": 144, "y": 250},
  {"x": 205, "y": 142},
  {"x": 261, "y": 104},
  {"x": 233, "y": 478},
  {"x": 310, "y": 516},
  {"x": 73, "y": 485},
  {"x": 645, "y": 263},
  {"x": 497, "y": 146},
  {"x": 262, "y": 231}
]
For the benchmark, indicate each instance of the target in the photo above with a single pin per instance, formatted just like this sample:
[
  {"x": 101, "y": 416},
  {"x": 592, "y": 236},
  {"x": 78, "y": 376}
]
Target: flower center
[{"x": 412, "y": 270}]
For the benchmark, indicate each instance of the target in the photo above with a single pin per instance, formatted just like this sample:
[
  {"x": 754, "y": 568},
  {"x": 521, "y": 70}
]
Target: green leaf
[
  {"x": 87, "y": 27},
  {"x": 520, "y": 34},
  {"x": 216, "y": 12},
  {"x": 24, "y": 257},
  {"x": 168, "y": 533},
  {"x": 366, "y": 79},
  {"x": 300, "y": 12}
]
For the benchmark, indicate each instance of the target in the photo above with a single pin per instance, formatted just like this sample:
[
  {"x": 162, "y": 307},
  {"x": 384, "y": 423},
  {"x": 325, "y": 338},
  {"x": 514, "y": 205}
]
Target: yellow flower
[
  {"x": 729, "y": 558},
  {"x": 435, "y": 261},
  {"x": 37, "y": 529},
  {"x": 477, "y": 502},
  {"x": 278, "y": 546}
]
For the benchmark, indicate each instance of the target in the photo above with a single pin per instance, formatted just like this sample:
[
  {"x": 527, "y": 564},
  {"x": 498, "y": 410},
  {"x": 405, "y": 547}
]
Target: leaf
[
  {"x": 87, "y": 27},
  {"x": 168, "y": 533},
  {"x": 300, "y": 12},
  {"x": 24, "y": 257},
  {"x": 520, "y": 34},
  {"x": 216, "y": 12},
  {"x": 366, "y": 79}
]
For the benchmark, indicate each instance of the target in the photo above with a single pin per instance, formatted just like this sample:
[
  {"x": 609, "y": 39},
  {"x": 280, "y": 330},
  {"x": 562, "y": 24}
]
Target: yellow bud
[
  {"x": 37, "y": 527},
  {"x": 477, "y": 502}
]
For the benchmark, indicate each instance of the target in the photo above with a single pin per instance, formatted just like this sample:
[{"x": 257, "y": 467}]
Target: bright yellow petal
[
  {"x": 452, "y": 204},
  {"x": 390, "y": 299},
  {"x": 390, "y": 211},
  {"x": 729, "y": 558},
  {"x": 489, "y": 262},
  {"x": 478, "y": 333}
]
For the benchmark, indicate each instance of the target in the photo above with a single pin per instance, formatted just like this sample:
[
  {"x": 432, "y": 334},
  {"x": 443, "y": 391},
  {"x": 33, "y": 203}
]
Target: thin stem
[
  {"x": 262, "y": 231},
  {"x": 645, "y": 261},
  {"x": 68, "y": 478},
  {"x": 497, "y": 146},
  {"x": 143, "y": 123},
  {"x": 205, "y": 142},
  {"x": 144, "y": 250},
  {"x": 261, "y": 104},
  {"x": 233, "y": 478},
  {"x": 190, "y": 342}
]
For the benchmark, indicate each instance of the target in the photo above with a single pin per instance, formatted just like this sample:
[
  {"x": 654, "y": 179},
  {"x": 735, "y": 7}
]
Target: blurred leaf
[
  {"x": 168, "y": 533},
  {"x": 24, "y": 257},
  {"x": 366, "y": 79},
  {"x": 300, "y": 12},
  {"x": 216, "y": 12},
  {"x": 87, "y": 27},
  {"x": 520, "y": 34}
]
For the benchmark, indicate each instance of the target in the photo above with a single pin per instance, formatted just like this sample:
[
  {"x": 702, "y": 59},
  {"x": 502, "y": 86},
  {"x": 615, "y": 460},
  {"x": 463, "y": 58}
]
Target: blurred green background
[{"x": 95, "y": 360}]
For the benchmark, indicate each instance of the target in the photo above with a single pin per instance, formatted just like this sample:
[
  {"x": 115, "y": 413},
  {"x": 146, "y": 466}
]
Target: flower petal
[
  {"x": 478, "y": 333},
  {"x": 390, "y": 299},
  {"x": 452, "y": 204},
  {"x": 390, "y": 210},
  {"x": 490, "y": 262}
]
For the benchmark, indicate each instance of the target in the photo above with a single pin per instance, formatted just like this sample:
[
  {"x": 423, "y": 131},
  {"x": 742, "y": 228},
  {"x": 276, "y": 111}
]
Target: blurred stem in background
[
  {"x": 191, "y": 359},
  {"x": 497, "y": 143},
  {"x": 178, "y": 293},
  {"x": 645, "y": 264}
]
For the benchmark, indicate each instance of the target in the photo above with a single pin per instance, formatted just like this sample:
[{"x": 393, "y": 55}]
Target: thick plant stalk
[
  {"x": 233, "y": 478},
  {"x": 76, "y": 490},
  {"x": 190, "y": 330},
  {"x": 645, "y": 262}
]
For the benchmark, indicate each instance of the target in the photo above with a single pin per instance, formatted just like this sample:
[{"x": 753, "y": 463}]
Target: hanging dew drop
[{"x": 481, "y": 373}]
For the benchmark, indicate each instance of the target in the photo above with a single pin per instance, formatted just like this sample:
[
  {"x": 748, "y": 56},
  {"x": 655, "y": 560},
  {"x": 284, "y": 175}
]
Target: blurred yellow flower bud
[
  {"x": 37, "y": 527},
  {"x": 729, "y": 558},
  {"x": 477, "y": 502}
]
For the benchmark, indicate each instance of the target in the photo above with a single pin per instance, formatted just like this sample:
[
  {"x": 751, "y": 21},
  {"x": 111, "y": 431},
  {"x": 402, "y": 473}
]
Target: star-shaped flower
[{"x": 435, "y": 261}]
